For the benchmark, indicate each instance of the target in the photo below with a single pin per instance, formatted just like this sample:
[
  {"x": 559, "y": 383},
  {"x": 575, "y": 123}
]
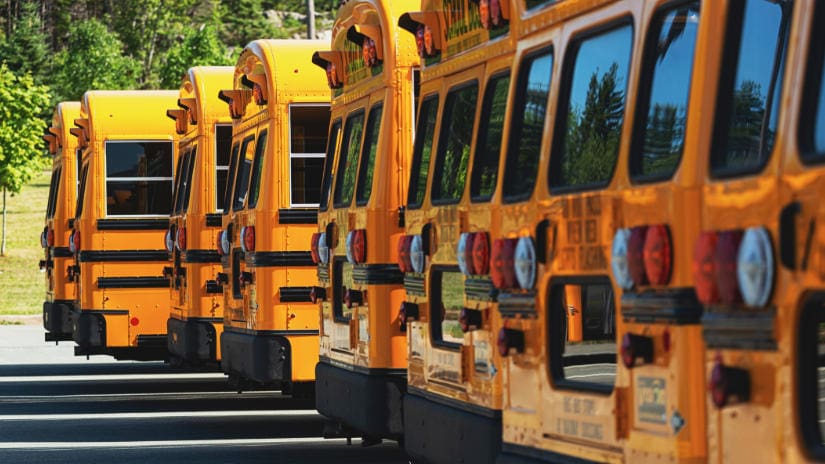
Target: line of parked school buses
[{"x": 599, "y": 240}]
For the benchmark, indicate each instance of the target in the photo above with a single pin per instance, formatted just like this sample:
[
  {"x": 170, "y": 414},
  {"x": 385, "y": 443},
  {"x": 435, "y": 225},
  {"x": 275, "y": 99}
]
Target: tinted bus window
[
  {"x": 368, "y": 152},
  {"x": 425, "y": 130},
  {"x": 527, "y": 126},
  {"x": 187, "y": 181},
  {"x": 233, "y": 166},
  {"x": 178, "y": 180},
  {"x": 663, "y": 96},
  {"x": 447, "y": 300},
  {"x": 751, "y": 85},
  {"x": 348, "y": 159},
  {"x": 54, "y": 189},
  {"x": 223, "y": 142},
  {"x": 308, "y": 139},
  {"x": 257, "y": 167},
  {"x": 81, "y": 191},
  {"x": 138, "y": 178},
  {"x": 812, "y": 116},
  {"x": 326, "y": 183},
  {"x": 582, "y": 318},
  {"x": 456, "y": 134},
  {"x": 242, "y": 177},
  {"x": 589, "y": 127},
  {"x": 488, "y": 145}
]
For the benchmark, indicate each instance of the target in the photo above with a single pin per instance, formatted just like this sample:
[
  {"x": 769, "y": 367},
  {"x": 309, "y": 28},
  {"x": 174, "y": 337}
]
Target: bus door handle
[{"x": 787, "y": 234}]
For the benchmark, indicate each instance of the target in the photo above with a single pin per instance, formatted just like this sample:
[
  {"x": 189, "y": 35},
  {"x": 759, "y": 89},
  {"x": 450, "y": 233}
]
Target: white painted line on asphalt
[
  {"x": 169, "y": 443},
  {"x": 115, "y": 396},
  {"x": 84, "y": 378},
  {"x": 157, "y": 415}
]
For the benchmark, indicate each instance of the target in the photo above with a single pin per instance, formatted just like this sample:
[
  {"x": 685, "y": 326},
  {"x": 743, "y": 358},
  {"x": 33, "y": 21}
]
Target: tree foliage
[
  {"x": 199, "y": 47},
  {"x": 21, "y": 102},
  {"x": 25, "y": 49}
]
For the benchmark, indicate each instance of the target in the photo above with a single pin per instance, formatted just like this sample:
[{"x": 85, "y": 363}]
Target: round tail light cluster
[
  {"x": 513, "y": 263},
  {"x": 169, "y": 241},
  {"x": 642, "y": 255},
  {"x": 43, "y": 242},
  {"x": 411, "y": 253},
  {"x": 473, "y": 252},
  {"x": 180, "y": 239},
  {"x": 357, "y": 246},
  {"x": 248, "y": 238},
  {"x": 50, "y": 237},
  {"x": 223, "y": 243},
  {"x": 313, "y": 247},
  {"x": 74, "y": 242},
  {"x": 732, "y": 266}
]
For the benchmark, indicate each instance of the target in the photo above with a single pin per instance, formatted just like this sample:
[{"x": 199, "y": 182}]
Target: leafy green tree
[
  {"x": 21, "y": 102},
  {"x": 199, "y": 47},
  {"x": 25, "y": 50},
  {"x": 93, "y": 59},
  {"x": 244, "y": 21}
]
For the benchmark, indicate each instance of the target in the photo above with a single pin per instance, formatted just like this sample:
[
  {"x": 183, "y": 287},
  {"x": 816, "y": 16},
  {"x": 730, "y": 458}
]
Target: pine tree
[{"x": 25, "y": 50}]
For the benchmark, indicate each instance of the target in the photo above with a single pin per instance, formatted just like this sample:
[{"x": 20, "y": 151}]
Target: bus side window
[
  {"x": 257, "y": 167},
  {"x": 348, "y": 159},
  {"x": 368, "y": 153},
  {"x": 326, "y": 183},
  {"x": 308, "y": 138},
  {"x": 422, "y": 150},
  {"x": 453, "y": 155},
  {"x": 54, "y": 188}
]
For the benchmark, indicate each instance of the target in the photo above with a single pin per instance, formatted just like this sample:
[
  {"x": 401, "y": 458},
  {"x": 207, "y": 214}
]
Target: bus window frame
[
  {"x": 568, "y": 67},
  {"x": 724, "y": 99},
  {"x": 170, "y": 179},
  {"x": 236, "y": 206},
  {"x": 190, "y": 175},
  {"x": 415, "y": 162},
  {"x": 555, "y": 343},
  {"x": 258, "y": 161},
  {"x": 506, "y": 73},
  {"x": 360, "y": 183},
  {"x": 293, "y": 155},
  {"x": 443, "y": 139},
  {"x": 436, "y": 335},
  {"x": 327, "y": 179},
  {"x": 644, "y": 90},
  {"x": 518, "y": 96},
  {"x": 54, "y": 192},
  {"x": 81, "y": 192},
  {"x": 812, "y": 88},
  {"x": 221, "y": 167},
  {"x": 337, "y": 184}
]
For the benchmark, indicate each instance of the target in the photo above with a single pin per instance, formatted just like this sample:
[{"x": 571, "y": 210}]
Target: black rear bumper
[
  {"x": 516, "y": 454},
  {"x": 370, "y": 402},
  {"x": 441, "y": 430},
  {"x": 57, "y": 320},
  {"x": 89, "y": 332},
  {"x": 262, "y": 358},
  {"x": 194, "y": 341}
]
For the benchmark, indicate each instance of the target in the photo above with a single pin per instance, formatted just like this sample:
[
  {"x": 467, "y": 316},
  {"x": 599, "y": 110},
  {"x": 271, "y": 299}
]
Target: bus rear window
[
  {"x": 186, "y": 168},
  {"x": 422, "y": 150},
  {"x": 368, "y": 153},
  {"x": 223, "y": 143},
  {"x": 447, "y": 293},
  {"x": 812, "y": 115},
  {"x": 326, "y": 183},
  {"x": 348, "y": 159},
  {"x": 81, "y": 190},
  {"x": 138, "y": 178},
  {"x": 591, "y": 112},
  {"x": 453, "y": 156},
  {"x": 233, "y": 166},
  {"x": 581, "y": 332},
  {"x": 488, "y": 145},
  {"x": 242, "y": 175},
  {"x": 257, "y": 168},
  {"x": 54, "y": 191},
  {"x": 527, "y": 126},
  {"x": 663, "y": 96},
  {"x": 748, "y": 107}
]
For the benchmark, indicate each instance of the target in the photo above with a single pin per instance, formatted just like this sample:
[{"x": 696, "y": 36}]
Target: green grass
[{"x": 22, "y": 285}]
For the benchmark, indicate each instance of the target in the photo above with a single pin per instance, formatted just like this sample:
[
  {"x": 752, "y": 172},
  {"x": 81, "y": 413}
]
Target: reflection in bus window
[
  {"x": 749, "y": 108},
  {"x": 242, "y": 177},
  {"x": 582, "y": 334},
  {"x": 368, "y": 152},
  {"x": 348, "y": 159},
  {"x": 233, "y": 166},
  {"x": 663, "y": 99},
  {"x": 589, "y": 126},
  {"x": 527, "y": 126},
  {"x": 138, "y": 178},
  {"x": 326, "y": 183},
  {"x": 223, "y": 141},
  {"x": 447, "y": 301},
  {"x": 342, "y": 276},
  {"x": 257, "y": 167},
  {"x": 422, "y": 150},
  {"x": 488, "y": 145},
  {"x": 456, "y": 134}
]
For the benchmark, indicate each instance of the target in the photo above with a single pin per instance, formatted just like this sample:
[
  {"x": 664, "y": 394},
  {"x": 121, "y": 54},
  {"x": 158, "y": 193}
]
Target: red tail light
[
  {"x": 509, "y": 338},
  {"x": 635, "y": 347},
  {"x": 481, "y": 253},
  {"x": 74, "y": 242},
  {"x": 180, "y": 240},
  {"x": 502, "y": 263},
  {"x": 724, "y": 264},
  {"x": 404, "y": 260},
  {"x": 704, "y": 274},
  {"x": 50, "y": 237},
  {"x": 728, "y": 385},
  {"x": 314, "y": 247},
  {"x": 635, "y": 255},
  {"x": 359, "y": 246},
  {"x": 249, "y": 238},
  {"x": 657, "y": 254}
]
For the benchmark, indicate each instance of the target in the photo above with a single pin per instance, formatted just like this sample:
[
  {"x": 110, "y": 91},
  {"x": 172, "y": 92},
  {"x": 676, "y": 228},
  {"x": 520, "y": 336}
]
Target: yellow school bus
[
  {"x": 60, "y": 293},
  {"x": 280, "y": 101},
  {"x": 758, "y": 261},
  {"x": 361, "y": 374},
  {"x": 196, "y": 305},
  {"x": 122, "y": 212},
  {"x": 452, "y": 410}
]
